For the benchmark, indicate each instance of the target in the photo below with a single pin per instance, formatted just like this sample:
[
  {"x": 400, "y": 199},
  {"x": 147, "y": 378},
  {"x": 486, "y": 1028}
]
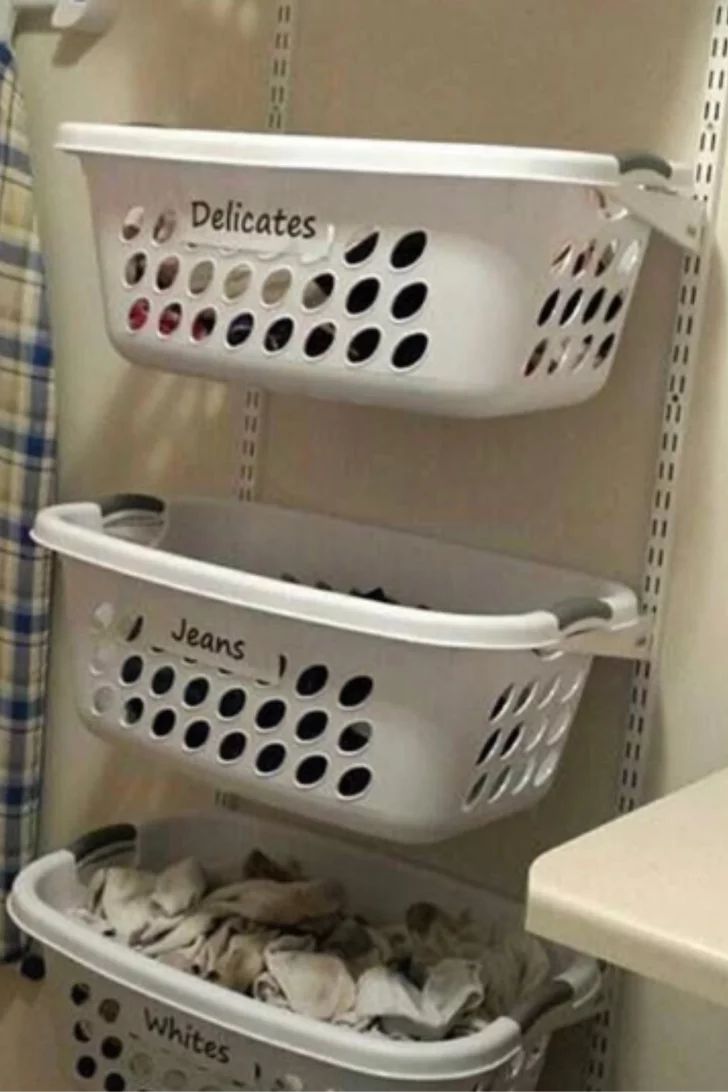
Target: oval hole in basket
[
  {"x": 270, "y": 759},
  {"x": 164, "y": 722},
  {"x": 408, "y": 250},
  {"x": 165, "y": 226},
  {"x": 605, "y": 350},
  {"x": 488, "y": 748},
  {"x": 232, "y": 747},
  {"x": 311, "y": 771},
  {"x": 363, "y": 345},
  {"x": 138, "y": 315},
  {"x": 536, "y": 358},
  {"x": 276, "y": 286},
  {"x": 362, "y": 296},
  {"x": 572, "y": 308},
  {"x": 559, "y": 728},
  {"x": 86, "y": 1067},
  {"x": 546, "y": 769},
  {"x": 512, "y": 740},
  {"x": 109, "y": 1010},
  {"x": 319, "y": 340},
  {"x": 312, "y": 726},
  {"x": 312, "y": 680},
  {"x": 525, "y": 697},
  {"x": 170, "y": 319},
  {"x": 523, "y": 779},
  {"x": 197, "y": 735},
  {"x": 562, "y": 259},
  {"x": 131, "y": 670},
  {"x": 201, "y": 277},
  {"x": 135, "y": 269},
  {"x": 410, "y": 351},
  {"x": 409, "y": 301},
  {"x": 167, "y": 273},
  {"x": 237, "y": 282},
  {"x": 270, "y": 714},
  {"x": 102, "y": 617},
  {"x": 630, "y": 259},
  {"x": 203, "y": 324},
  {"x": 582, "y": 353},
  {"x": 132, "y": 223},
  {"x": 361, "y": 246},
  {"x": 231, "y": 703},
  {"x": 355, "y": 782},
  {"x": 500, "y": 785},
  {"x": 476, "y": 791},
  {"x": 606, "y": 258},
  {"x": 196, "y": 691},
  {"x": 549, "y": 690},
  {"x": 102, "y": 700},
  {"x": 112, "y": 1047},
  {"x": 355, "y": 738},
  {"x": 83, "y": 1031},
  {"x": 80, "y": 994},
  {"x": 162, "y": 681},
  {"x": 356, "y": 691},
  {"x": 240, "y": 329},
  {"x": 318, "y": 291},
  {"x": 278, "y": 334},
  {"x": 133, "y": 712},
  {"x": 537, "y": 733},
  {"x": 501, "y": 703},
  {"x": 584, "y": 259},
  {"x": 549, "y": 307},
  {"x": 114, "y": 1082},
  {"x": 615, "y": 307},
  {"x": 594, "y": 305}
]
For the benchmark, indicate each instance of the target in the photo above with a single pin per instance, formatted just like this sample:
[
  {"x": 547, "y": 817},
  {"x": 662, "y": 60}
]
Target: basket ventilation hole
[
  {"x": 131, "y": 669},
  {"x": 361, "y": 246},
  {"x": 270, "y": 758},
  {"x": 355, "y": 737},
  {"x": 362, "y": 296},
  {"x": 537, "y": 734},
  {"x": 288, "y": 1082},
  {"x": 560, "y": 356},
  {"x": 170, "y": 319},
  {"x": 607, "y": 257},
  {"x": 546, "y": 769},
  {"x": 410, "y": 351},
  {"x": 318, "y": 290},
  {"x": 562, "y": 259},
  {"x": 162, "y": 681},
  {"x": 204, "y": 323},
  {"x": 111, "y": 1048},
  {"x": 197, "y": 735},
  {"x": 312, "y": 726},
  {"x": 165, "y": 226},
  {"x": 114, "y": 1083},
  {"x": 270, "y": 714},
  {"x": 630, "y": 259},
  {"x": 133, "y": 711},
  {"x": 523, "y": 779},
  {"x": 559, "y": 729},
  {"x": 572, "y": 307},
  {"x": 594, "y": 305},
  {"x": 409, "y": 301},
  {"x": 164, "y": 723},
  {"x": 584, "y": 259},
  {"x": 320, "y": 340},
  {"x": 83, "y": 1031},
  {"x": 572, "y": 690},
  {"x": 525, "y": 697},
  {"x": 175, "y": 1080},
  {"x": 167, "y": 273},
  {"x": 409, "y": 250},
  {"x": 501, "y": 784},
  {"x": 604, "y": 351},
  {"x": 312, "y": 681},
  {"x": 240, "y": 329},
  {"x": 86, "y": 1067},
  {"x": 237, "y": 282},
  {"x": 488, "y": 748},
  {"x": 135, "y": 269},
  {"x": 231, "y": 703},
  {"x": 201, "y": 277},
  {"x": 133, "y": 223},
  {"x": 501, "y": 704},
  {"x": 141, "y": 1067},
  {"x": 109, "y": 1010},
  {"x": 364, "y": 345},
  {"x": 356, "y": 691},
  {"x": 278, "y": 334},
  {"x": 547, "y": 311},
  {"x": 196, "y": 691},
  {"x": 102, "y": 616},
  {"x": 536, "y": 358},
  {"x": 355, "y": 782},
  {"x": 549, "y": 691},
  {"x": 614, "y": 307},
  {"x": 103, "y": 699},
  {"x": 512, "y": 740},
  {"x": 80, "y": 993},
  {"x": 232, "y": 746},
  {"x": 312, "y": 771},
  {"x": 138, "y": 314},
  {"x": 276, "y": 286},
  {"x": 583, "y": 353}
]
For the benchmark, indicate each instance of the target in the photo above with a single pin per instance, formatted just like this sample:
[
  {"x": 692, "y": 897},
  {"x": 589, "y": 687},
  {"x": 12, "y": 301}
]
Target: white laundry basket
[
  {"x": 455, "y": 279},
  {"x": 369, "y": 678},
  {"x": 126, "y": 1021}
]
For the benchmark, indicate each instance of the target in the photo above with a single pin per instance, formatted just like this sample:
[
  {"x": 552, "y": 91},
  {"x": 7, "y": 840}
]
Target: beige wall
[{"x": 570, "y": 486}]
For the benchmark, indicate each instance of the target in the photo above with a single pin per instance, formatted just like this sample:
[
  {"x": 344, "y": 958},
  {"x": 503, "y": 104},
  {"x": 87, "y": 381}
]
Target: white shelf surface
[{"x": 648, "y": 892}]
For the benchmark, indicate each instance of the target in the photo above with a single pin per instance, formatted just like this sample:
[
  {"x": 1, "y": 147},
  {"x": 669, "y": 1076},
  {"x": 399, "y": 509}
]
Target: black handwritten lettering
[
  {"x": 184, "y": 633},
  {"x": 233, "y": 217},
  {"x": 189, "y": 1037},
  {"x": 309, "y": 227},
  {"x": 200, "y": 213}
]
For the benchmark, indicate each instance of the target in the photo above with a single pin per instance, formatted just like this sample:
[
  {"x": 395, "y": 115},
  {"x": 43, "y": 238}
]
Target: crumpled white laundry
[{"x": 291, "y": 941}]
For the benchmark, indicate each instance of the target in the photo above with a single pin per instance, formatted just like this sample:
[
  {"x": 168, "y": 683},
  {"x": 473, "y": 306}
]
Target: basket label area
[
  {"x": 243, "y": 226},
  {"x": 181, "y": 1033},
  {"x": 186, "y": 635}
]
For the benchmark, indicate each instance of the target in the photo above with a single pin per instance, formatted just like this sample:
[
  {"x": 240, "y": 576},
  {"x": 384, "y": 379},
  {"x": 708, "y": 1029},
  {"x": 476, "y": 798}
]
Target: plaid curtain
[{"x": 27, "y": 463}]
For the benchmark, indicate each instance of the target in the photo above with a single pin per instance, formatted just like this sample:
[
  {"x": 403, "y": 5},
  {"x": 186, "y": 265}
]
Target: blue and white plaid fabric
[{"x": 27, "y": 464}]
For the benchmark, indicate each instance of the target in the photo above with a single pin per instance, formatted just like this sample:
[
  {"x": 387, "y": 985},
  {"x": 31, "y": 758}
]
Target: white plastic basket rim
[
  {"x": 454, "y": 1059},
  {"x": 351, "y": 155},
  {"x": 78, "y": 531}
]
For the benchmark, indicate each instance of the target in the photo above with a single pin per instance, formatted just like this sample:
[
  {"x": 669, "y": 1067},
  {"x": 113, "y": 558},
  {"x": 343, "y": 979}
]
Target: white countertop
[{"x": 648, "y": 892}]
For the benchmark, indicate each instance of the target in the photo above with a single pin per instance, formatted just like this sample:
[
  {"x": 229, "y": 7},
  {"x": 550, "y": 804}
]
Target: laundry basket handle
[
  {"x": 130, "y": 502},
  {"x": 90, "y": 844},
  {"x": 644, "y": 161},
  {"x": 582, "y": 612},
  {"x": 552, "y": 995}
]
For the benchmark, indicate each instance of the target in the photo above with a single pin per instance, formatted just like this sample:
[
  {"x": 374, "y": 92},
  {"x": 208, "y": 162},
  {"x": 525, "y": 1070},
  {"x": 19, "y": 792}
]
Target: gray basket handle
[
  {"x": 531, "y": 1010},
  {"x": 104, "y": 838},
  {"x": 644, "y": 161},
  {"x": 581, "y": 614},
  {"x": 130, "y": 502}
]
